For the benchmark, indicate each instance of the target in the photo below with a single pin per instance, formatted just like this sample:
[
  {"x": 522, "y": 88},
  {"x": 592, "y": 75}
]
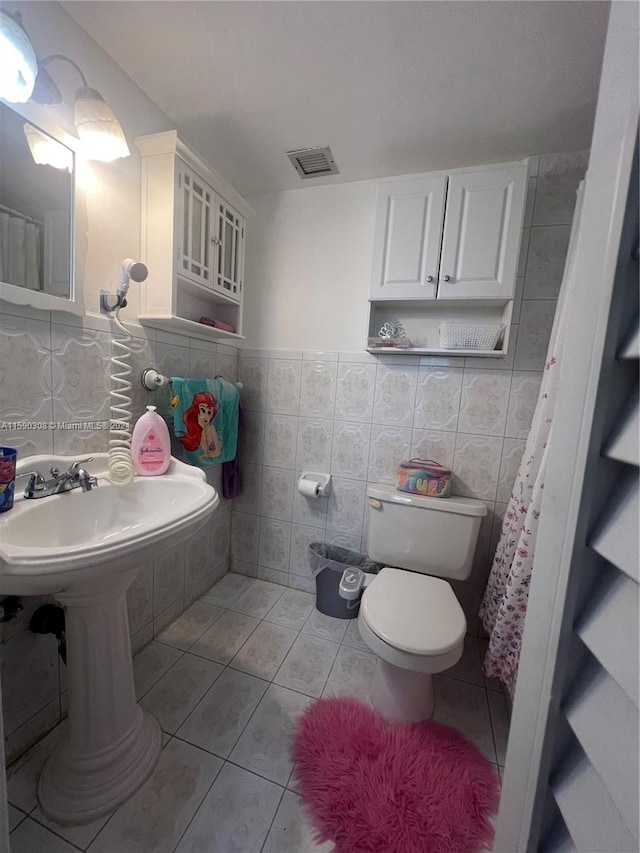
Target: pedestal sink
[{"x": 85, "y": 548}]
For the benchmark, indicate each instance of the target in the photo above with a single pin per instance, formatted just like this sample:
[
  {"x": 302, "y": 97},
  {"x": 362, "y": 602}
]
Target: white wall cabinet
[
  {"x": 193, "y": 241},
  {"x": 446, "y": 249}
]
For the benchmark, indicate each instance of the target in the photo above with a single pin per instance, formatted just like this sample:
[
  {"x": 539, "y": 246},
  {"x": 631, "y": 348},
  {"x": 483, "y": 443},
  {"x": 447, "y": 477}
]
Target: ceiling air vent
[{"x": 313, "y": 162}]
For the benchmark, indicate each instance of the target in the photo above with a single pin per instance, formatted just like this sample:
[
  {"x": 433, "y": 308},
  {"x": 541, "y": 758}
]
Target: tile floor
[{"x": 227, "y": 680}]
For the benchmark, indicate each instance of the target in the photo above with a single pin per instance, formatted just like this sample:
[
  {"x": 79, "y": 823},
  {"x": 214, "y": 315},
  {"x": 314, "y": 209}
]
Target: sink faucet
[{"x": 73, "y": 478}]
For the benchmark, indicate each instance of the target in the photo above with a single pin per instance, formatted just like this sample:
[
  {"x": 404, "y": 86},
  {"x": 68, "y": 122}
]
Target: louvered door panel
[{"x": 595, "y": 743}]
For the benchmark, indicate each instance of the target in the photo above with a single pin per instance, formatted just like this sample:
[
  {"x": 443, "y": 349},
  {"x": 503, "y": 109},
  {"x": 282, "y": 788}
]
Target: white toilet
[{"x": 409, "y": 617}]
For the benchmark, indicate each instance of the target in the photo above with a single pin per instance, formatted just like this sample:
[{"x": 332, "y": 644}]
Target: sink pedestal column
[{"x": 111, "y": 745}]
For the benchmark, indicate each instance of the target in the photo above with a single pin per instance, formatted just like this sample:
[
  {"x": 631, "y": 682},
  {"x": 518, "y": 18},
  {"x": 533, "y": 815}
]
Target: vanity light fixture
[
  {"x": 47, "y": 151},
  {"x": 18, "y": 63},
  {"x": 98, "y": 128}
]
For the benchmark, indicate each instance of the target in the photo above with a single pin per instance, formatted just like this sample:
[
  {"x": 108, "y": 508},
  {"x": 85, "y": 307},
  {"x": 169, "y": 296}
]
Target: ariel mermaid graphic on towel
[{"x": 200, "y": 431}]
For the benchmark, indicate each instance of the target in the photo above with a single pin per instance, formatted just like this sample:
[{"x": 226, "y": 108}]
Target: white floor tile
[
  {"x": 258, "y": 599},
  {"x": 464, "y": 707},
  {"x": 81, "y": 836},
  {"x": 352, "y": 637},
  {"x": 291, "y": 831},
  {"x": 265, "y": 650},
  {"x": 15, "y": 817},
  {"x": 177, "y": 693},
  {"x": 499, "y": 724},
  {"x": 292, "y": 609},
  {"x": 191, "y": 625},
  {"x": 228, "y": 588},
  {"x": 153, "y": 820},
  {"x": 217, "y": 721},
  {"x": 351, "y": 674},
  {"x": 265, "y": 743},
  {"x": 235, "y": 816},
  {"x": 468, "y": 667},
  {"x": 226, "y": 637},
  {"x": 327, "y": 627},
  {"x": 23, "y": 774},
  {"x": 307, "y": 665},
  {"x": 151, "y": 664},
  {"x": 30, "y": 837}
]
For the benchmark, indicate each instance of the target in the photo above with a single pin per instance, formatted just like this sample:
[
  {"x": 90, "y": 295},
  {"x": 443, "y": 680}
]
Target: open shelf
[
  {"x": 491, "y": 353},
  {"x": 179, "y": 325},
  {"x": 422, "y": 318}
]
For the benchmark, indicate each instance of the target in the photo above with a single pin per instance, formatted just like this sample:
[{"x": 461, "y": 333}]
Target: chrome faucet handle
[
  {"x": 84, "y": 478},
  {"x": 73, "y": 468},
  {"x": 36, "y": 481}
]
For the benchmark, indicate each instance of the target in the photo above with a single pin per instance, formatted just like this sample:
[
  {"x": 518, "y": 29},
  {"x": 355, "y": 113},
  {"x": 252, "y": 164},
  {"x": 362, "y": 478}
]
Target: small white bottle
[{"x": 150, "y": 444}]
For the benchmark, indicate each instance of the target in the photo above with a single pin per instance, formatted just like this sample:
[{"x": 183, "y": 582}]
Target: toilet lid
[{"x": 413, "y": 612}]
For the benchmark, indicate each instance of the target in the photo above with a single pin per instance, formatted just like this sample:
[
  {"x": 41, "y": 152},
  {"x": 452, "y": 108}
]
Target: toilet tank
[{"x": 435, "y": 536}]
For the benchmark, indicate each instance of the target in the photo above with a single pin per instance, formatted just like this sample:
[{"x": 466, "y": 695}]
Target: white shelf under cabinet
[
  {"x": 490, "y": 353},
  {"x": 180, "y": 325},
  {"x": 421, "y": 320}
]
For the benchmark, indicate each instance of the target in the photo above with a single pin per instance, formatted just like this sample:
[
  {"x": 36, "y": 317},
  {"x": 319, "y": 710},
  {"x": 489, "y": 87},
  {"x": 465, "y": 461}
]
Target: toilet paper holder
[{"x": 314, "y": 485}]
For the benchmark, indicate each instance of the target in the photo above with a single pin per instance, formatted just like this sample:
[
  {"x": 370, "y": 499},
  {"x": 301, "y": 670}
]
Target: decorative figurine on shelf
[{"x": 392, "y": 334}]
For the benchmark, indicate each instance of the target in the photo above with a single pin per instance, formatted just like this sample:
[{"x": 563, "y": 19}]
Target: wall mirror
[{"x": 37, "y": 211}]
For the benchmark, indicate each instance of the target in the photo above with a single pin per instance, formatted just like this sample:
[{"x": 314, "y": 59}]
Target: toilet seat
[{"x": 413, "y": 621}]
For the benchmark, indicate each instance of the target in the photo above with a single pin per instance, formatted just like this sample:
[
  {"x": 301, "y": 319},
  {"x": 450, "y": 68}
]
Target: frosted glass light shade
[
  {"x": 98, "y": 128},
  {"x": 47, "y": 151},
  {"x": 18, "y": 63}
]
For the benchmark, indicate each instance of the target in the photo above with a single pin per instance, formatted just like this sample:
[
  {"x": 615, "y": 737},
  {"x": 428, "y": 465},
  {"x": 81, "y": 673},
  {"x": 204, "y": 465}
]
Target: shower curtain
[
  {"x": 19, "y": 251},
  {"x": 504, "y": 605}
]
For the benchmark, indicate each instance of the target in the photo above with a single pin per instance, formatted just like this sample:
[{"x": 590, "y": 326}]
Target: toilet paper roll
[{"x": 309, "y": 488}]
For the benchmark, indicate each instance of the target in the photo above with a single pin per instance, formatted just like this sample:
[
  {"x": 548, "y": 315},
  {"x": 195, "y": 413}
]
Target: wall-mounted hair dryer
[{"x": 129, "y": 270}]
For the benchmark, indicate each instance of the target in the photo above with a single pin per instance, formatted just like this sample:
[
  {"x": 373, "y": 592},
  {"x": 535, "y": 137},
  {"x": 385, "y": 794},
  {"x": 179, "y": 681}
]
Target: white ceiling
[{"x": 393, "y": 87}]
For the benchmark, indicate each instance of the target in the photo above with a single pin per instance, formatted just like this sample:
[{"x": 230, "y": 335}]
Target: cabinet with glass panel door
[{"x": 193, "y": 240}]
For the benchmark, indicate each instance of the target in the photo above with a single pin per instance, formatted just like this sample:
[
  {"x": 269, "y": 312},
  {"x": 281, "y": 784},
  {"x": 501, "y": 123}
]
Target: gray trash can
[{"x": 328, "y": 562}]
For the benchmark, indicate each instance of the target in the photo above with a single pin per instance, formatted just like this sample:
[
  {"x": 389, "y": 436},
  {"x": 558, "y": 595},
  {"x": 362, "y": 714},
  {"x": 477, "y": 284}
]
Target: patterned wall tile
[
  {"x": 25, "y": 369},
  {"x": 245, "y": 531},
  {"x": 350, "y": 450},
  {"x": 227, "y": 362},
  {"x": 277, "y": 493},
  {"x": 389, "y": 447},
  {"x": 302, "y": 537},
  {"x": 395, "y": 395},
  {"x": 355, "y": 392},
  {"x": 249, "y": 498},
  {"x": 484, "y": 401},
  {"x": 273, "y": 549},
  {"x": 168, "y": 578},
  {"x": 523, "y": 397},
  {"x": 318, "y": 388},
  {"x": 314, "y": 444},
  {"x": 252, "y": 372},
  {"x": 202, "y": 360},
  {"x": 438, "y": 398},
  {"x": 280, "y": 438},
  {"x": 545, "y": 262},
  {"x": 476, "y": 466},
  {"x": 433, "y": 444},
  {"x": 536, "y": 321},
  {"x": 345, "y": 508},
  {"x": 251, "y": 439},
  {"x": 140, "y": 598},
  {"x": 558, "y": 179},
  {"x": 283, "y": 386}
]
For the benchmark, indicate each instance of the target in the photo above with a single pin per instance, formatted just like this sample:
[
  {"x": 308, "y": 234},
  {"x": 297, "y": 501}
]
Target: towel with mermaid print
[{"x": 205, "y": 419}]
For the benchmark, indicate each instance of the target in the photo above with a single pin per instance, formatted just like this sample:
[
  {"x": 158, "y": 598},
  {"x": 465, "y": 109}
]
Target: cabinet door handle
[
  {"x": 429, "y": 278},
  {"x": 446, "y": 278}
]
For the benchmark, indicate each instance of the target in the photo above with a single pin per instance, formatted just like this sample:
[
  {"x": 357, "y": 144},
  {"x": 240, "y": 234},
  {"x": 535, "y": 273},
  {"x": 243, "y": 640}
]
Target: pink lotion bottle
[{"x": 150, "y": 444}]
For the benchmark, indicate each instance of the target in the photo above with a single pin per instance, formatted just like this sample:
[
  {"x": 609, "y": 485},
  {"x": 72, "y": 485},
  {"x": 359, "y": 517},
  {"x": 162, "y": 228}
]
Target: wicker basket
[{"x": 482, "y": 336}]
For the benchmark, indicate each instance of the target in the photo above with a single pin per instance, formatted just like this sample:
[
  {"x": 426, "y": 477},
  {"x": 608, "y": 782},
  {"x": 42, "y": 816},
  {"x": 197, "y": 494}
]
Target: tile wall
[
  {"x": 357, "y": 416},
  {"x": 348, "y": 413},
  {"x": 55, "y": 368}
]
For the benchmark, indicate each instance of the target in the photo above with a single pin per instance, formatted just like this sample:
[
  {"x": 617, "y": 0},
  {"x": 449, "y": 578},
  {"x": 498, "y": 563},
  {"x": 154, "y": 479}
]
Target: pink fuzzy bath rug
[{"x": 373, "y": 787}]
